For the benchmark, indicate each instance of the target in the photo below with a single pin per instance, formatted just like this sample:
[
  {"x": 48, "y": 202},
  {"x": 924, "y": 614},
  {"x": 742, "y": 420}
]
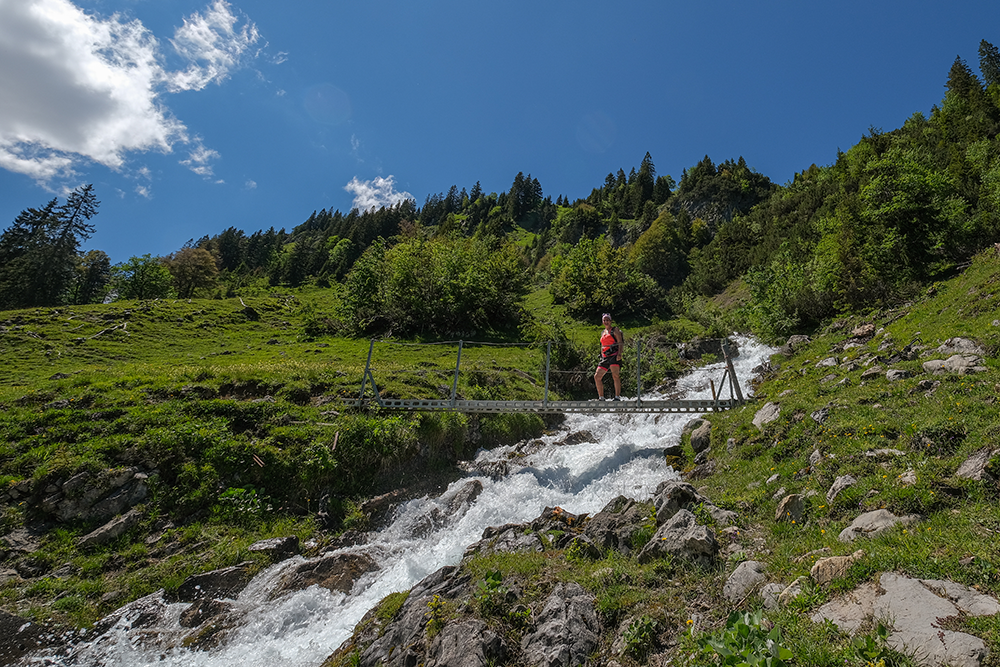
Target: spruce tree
[
  {"x": 39, "y": 251},
  {"x": 989, "y": 63},
  {"x": 961, "y": 80}
]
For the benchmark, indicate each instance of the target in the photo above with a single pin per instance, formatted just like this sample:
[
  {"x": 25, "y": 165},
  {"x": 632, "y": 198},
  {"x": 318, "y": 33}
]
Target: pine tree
[
  {"x": 39, "y": 252},
  {"x": 961, "y": 80},
  {"x": 989, "y": 63}
]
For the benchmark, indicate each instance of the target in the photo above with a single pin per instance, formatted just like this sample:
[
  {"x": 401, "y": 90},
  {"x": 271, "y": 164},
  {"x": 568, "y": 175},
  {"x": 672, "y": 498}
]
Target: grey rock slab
[
  {"x": 112, "y": 529},
  {"x": 815, "y": 458},
  {"x": 672, "y": 496},
  {"x": 767, "y": 414},
  {"x": 874, "y": 371},
  {"x": 337, "y": 571},
  {"x": 278, "y": 548},
  {"x": 791, "y": 508},
  {"x": 839, "y": 485},
  {"x": 851, "y": 611},
  {"x": 913, "y": 611},
  {"x": 960, "y": 364},
  {"x": 974, "y": 467},
  {"x": 223, "y": 583},
  {"x": 612, "y": 527},
  {"x": 466, "y": 644},
  {"x": 506, "y": 539},
  {"x": 744, "y": 579},
  {"x": 722, "y": 517},
  {"x": 874, "y": 523},
  {"x": 969, "y": 600},
  {"x": 20, "y": 541},
  {"x": 820, "y": 416}
]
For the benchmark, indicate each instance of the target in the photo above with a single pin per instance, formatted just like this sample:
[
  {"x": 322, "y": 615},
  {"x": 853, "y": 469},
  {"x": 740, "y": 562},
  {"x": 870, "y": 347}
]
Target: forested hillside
[
  {"x": 899, "y": 209},
  {"x": 893, "y": 212}
]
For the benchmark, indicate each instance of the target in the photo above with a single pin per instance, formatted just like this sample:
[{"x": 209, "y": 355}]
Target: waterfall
[{"x": 621, "y": 456}]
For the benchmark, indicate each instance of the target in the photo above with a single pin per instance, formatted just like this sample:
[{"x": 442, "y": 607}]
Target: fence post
[
  {"x": 364, "y": 377},
  {"x": 548, "y": 355},
  {"x": 454, "y": 385}
]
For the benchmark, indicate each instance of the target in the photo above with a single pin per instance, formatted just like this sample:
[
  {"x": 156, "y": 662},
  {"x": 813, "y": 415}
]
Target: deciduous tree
[{"x": 191, "y": 269}]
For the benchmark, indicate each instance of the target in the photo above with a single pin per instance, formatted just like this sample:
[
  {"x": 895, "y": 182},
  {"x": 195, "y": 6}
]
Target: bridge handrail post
[
  {"x": 364, "y": 377},
  {"x": 548, "y": 355},
  {"x": 638, "y": 371},
  {"x": 454, "y": 384}
]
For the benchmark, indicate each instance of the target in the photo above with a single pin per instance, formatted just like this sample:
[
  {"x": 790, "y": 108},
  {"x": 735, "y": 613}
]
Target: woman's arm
[{"x": 620, "y": 337}]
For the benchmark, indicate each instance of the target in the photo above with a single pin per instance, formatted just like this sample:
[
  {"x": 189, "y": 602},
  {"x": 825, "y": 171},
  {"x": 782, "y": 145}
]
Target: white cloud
[
  {"x": 250, "y": 184},
  {"x": 79, "y": 88},
  {"x": 212, "y": 45},
  {"x": 199, "y": 159},
  {"x": 375, "y": 193}
]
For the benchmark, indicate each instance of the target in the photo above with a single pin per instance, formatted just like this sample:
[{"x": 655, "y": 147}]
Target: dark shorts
[{"x": 607, "y": 362}]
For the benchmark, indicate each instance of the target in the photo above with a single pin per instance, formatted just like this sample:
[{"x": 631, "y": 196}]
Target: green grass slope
[{"x": 237, "y": 413}]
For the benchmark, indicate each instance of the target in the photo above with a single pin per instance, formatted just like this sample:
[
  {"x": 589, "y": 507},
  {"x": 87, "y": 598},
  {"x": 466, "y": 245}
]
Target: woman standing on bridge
[{"x": 612, "y": 342}]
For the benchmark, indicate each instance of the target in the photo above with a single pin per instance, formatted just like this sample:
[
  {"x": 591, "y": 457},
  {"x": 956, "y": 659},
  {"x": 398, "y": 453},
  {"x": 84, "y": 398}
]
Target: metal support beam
[
  {"x": 732, "y": 373},
  {"x": 364, "y": 378}
]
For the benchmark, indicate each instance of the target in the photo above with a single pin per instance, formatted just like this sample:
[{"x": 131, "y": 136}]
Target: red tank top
[{"x": 609, "y": 344}]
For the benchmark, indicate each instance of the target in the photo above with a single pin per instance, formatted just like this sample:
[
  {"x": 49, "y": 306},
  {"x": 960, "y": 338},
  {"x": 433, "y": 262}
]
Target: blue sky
[{"x": 191, "y": 116}]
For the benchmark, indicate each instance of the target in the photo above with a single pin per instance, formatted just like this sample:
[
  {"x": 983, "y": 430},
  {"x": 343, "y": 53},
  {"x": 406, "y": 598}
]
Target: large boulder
[
  {"x": 223, "y": 583},
  {"x": 682, "y": 537},
  {"x": 672, "y": 496},
  {"x": 613, "y": 526},
  {"x": 403, "y": 641},
  {"x": 566, "y": 632},
  {"x": 98, "y": 497},
  {"x": 701, "y": 437},
  {"x": 960, "y": 345},
  {"x": 915, "y": 608},
  {"x": 509, "y": 538}
]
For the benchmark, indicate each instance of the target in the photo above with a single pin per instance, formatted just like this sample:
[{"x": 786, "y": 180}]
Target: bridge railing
[{"x": 456, "y": 404}]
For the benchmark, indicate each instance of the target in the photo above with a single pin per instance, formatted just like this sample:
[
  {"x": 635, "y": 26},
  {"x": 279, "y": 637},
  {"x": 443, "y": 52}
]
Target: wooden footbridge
[{"x": 546, "y": 406}]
